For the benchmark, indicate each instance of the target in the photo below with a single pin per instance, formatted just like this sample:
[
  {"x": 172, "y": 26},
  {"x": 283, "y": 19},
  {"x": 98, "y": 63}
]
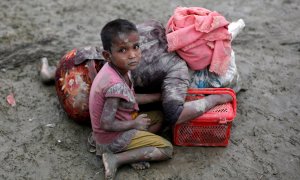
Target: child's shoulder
[{"x": 107, "y": 77}]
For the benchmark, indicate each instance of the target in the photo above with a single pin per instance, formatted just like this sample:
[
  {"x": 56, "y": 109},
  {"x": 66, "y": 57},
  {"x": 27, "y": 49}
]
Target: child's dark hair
[{"x": 111, "y": 30}]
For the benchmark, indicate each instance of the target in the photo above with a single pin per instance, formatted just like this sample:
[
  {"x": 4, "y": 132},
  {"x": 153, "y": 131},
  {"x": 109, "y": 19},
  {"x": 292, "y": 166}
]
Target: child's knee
[
  {"x": 167, "y": 151},
  {"x": 172, "y": 111}
]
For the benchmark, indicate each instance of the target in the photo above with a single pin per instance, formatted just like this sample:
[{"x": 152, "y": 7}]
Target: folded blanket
[{"x": 201, "y": 38}]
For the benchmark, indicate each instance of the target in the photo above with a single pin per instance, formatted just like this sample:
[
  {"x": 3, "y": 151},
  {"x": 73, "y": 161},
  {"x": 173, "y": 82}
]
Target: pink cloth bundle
[{"x": 201, "y": 38}]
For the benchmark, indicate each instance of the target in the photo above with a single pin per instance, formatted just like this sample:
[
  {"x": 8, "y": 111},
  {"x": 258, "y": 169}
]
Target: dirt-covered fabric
[{"x": 161, "y": 71}]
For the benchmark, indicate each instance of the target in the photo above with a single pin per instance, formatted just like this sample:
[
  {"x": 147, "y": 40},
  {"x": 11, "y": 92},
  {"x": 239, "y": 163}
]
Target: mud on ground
[{"x": 265, "y": 137}]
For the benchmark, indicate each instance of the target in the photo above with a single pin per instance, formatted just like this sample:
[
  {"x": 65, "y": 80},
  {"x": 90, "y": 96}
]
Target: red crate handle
[{"x": 216, "y": 91}]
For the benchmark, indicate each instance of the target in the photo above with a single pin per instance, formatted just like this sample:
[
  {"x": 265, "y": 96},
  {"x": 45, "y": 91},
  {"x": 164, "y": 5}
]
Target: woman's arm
[
  {"x": 147, "y": 98},
  {"x": 110, "y": 123}
]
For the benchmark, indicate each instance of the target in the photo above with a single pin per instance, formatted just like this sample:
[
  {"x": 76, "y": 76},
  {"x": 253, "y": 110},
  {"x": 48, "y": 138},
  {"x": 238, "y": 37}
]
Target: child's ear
[{"x": 106, "y": 54}]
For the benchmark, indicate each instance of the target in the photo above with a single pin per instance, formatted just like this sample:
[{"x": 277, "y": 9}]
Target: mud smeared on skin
[
  {"x": 110, "y": 165},
  {"x": 152, "y": 153},
  {"x": 140, "y": 165},
  {"x": 123, "y": 37},
  {"x": 198, "y": 105}
]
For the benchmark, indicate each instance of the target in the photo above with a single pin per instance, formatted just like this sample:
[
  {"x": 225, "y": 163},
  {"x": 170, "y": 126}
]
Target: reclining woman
[{"x": 165, "y": 72}]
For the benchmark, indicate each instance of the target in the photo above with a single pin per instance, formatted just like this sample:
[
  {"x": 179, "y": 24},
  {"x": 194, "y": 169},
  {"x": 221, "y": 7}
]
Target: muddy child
[{"x": 121, "y": 135}]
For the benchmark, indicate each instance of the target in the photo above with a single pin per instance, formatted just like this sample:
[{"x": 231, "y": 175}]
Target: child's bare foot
[
  {"x": 218, "y": 99},
  {"x": 140, "y": 165},
  {"x": 110, "y": 165},
  {"x": 47, "y": 72}
]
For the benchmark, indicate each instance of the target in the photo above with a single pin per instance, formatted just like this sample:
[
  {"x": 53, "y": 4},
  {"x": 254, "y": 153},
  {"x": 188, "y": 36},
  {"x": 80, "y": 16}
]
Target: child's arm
[
  {"x": 147, "y": 98},
  {"x": 110, "y": 123}
]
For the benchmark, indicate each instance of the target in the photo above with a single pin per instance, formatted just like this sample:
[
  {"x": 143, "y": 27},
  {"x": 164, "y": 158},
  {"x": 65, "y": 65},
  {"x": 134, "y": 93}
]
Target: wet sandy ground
[{"x": 265, "y": 139}]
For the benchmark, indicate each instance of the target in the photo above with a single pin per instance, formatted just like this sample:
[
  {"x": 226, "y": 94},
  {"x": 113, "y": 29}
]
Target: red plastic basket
[{"x": 210, "y": 129}]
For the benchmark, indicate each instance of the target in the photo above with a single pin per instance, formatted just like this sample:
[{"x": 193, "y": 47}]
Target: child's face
[{"x": 125, "y": 51}]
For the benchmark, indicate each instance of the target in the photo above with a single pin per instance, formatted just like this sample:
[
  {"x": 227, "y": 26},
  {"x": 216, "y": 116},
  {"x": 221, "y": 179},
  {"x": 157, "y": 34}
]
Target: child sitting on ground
[{"x": 121, "y": 135}]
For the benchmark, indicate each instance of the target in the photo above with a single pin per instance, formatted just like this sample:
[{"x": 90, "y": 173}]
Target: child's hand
[{"x": 142, "y": 122}]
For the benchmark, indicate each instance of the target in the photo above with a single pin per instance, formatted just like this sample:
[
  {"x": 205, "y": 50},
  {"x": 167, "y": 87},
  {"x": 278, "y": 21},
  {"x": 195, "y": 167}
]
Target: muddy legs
[
  {"x": 113, "y": 161},
  {"x": 195, "y": 108}
]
